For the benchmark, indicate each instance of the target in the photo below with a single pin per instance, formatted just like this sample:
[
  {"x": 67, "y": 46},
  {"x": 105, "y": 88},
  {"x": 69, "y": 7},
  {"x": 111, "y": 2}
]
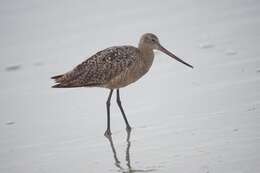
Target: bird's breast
[{"x": 131, "y": 74}]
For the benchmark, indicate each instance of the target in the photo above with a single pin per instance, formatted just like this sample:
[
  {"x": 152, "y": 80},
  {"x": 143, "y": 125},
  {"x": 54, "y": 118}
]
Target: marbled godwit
[{"x": 114, "y": 68}]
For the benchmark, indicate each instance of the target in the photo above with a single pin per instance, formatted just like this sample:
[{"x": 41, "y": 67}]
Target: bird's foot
[
  {"x": 128, "y": 128},
  {"x": 108, "y": 133}
]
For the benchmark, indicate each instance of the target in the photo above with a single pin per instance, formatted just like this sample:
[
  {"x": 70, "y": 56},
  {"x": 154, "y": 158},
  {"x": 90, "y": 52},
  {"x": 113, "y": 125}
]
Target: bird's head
[{"x": 151, "y": 42}]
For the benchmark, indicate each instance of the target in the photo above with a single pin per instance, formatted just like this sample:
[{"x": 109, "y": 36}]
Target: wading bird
[{"x": 114, "y": 68}]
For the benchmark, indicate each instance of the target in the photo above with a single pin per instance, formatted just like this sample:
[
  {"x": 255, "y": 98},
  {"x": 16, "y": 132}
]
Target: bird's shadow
[{"x": 117, "y": 163}]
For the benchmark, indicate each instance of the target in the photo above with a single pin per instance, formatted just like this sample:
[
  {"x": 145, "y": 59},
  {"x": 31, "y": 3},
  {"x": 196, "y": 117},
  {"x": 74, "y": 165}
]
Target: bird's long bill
[{"x": 173, "y": 56}]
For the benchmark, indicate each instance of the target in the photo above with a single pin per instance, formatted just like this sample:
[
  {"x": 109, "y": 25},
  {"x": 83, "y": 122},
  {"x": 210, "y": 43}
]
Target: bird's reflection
[{"x": 127, "y": 156}]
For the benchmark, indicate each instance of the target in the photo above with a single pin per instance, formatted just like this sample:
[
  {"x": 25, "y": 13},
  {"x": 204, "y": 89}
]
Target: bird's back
[{"x": 101, "y": 68}]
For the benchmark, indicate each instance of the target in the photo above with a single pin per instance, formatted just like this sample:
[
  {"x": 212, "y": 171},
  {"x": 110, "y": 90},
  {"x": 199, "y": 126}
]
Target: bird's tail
[
  {"x": 64, "y": 81},
  {"x": 71, "y": 85},
  {"x": 61, "y": 85},
  {"x": 57, "y": 77}
]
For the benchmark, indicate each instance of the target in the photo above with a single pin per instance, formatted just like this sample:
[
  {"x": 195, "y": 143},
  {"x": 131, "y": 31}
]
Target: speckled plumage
[{"x": 114, "y": 67}]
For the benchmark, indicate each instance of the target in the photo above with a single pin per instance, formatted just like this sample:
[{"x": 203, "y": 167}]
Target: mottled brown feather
[{"x": 100, "y": 68}]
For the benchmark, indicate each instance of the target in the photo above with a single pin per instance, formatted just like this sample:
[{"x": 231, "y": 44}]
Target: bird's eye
[{"x": 153, "y": 40}]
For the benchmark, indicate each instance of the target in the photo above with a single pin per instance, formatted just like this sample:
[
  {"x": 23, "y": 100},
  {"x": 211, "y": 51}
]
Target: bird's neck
[{"x": 147, "y": 55}]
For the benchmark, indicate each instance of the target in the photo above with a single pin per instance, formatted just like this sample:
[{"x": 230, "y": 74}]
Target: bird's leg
[
  {"x": 108, "y": 132},
  {"x": 128, "y": 128}
]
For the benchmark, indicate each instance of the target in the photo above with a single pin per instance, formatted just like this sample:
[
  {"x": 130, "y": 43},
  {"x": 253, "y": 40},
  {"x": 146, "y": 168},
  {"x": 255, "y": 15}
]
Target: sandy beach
[{"x": 201, "y": 120}]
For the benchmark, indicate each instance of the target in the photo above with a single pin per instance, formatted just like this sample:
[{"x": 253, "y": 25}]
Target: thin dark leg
[
  {"x": 108, "y": 132},
  {"x": 128, "y": 128}
]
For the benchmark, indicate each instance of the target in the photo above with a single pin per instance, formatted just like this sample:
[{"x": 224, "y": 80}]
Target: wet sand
[{"x": 201, "y": 120}]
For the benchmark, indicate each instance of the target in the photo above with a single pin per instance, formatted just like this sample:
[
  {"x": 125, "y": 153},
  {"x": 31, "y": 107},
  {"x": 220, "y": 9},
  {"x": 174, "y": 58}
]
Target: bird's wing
[{"x": 99, "y": 68}]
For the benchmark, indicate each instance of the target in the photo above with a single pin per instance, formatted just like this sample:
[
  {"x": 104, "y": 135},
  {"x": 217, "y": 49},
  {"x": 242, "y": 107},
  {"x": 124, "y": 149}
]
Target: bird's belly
[{"x": 127, "y": 77}]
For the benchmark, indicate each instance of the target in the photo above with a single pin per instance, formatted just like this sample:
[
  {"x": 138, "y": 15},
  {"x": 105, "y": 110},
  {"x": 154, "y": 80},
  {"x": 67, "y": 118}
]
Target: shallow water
[{"x": 204, "y": 119}]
